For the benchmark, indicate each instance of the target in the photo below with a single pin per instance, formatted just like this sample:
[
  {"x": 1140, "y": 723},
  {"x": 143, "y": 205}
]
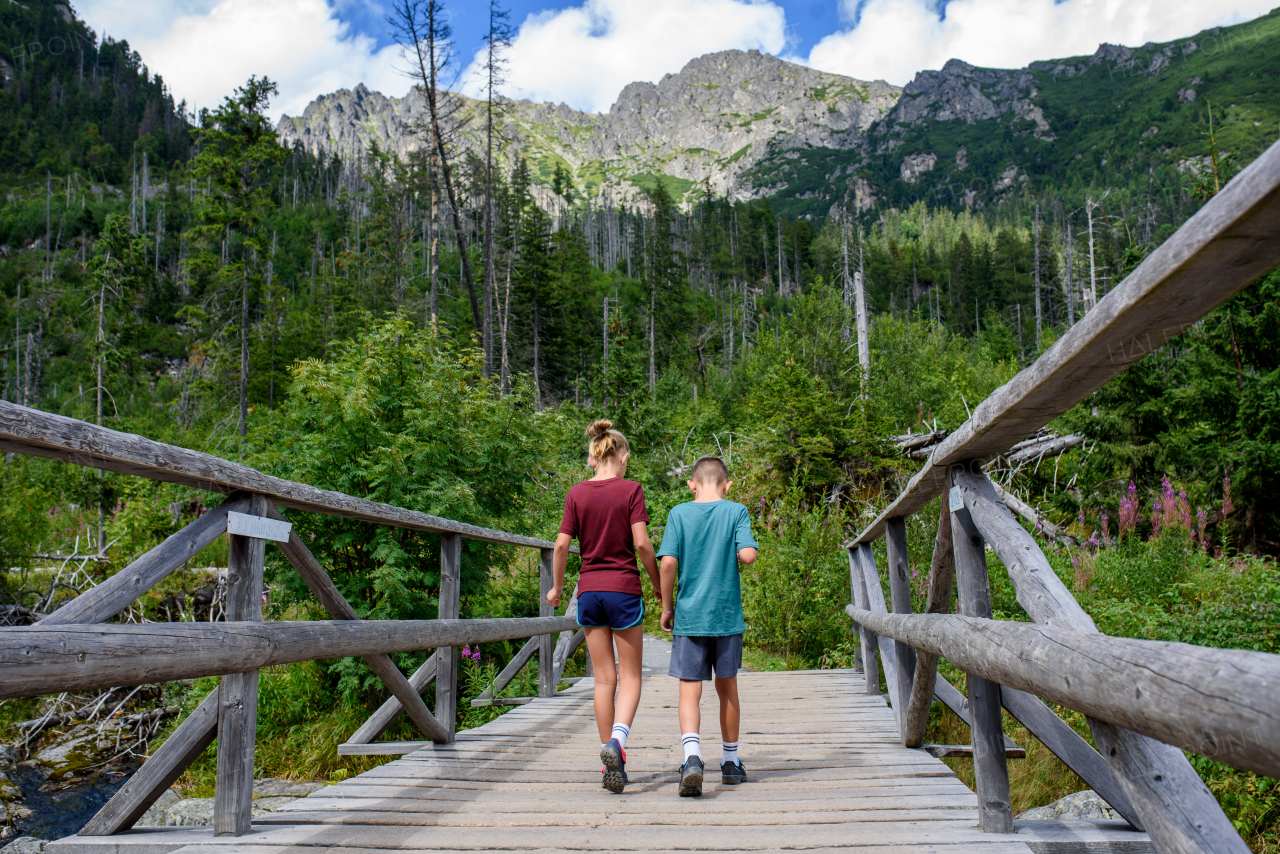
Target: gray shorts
[{"x": 694, "y": 658}]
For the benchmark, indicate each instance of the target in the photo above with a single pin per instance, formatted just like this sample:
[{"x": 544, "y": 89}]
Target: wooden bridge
[{"x": 833, "y": 766}]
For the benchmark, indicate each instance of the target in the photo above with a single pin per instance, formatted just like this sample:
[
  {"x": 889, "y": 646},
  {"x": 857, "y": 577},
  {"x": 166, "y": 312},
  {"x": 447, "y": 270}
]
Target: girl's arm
[
  {"x": 644, "y": 551},
  {"x": 559, "y": 560}
]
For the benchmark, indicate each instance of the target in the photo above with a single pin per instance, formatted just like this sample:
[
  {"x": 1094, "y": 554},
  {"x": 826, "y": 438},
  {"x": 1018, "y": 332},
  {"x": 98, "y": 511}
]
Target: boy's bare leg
[
  {"x": 690, "y": 697},
  {"x": 600, "y": 647},
  {"x": 730, "y": 709},
  {"x": 630, "y": 660}
]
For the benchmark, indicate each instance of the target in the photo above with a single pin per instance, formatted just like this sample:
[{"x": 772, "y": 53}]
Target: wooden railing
[
  {"x": 74, "y": 648},
  {"x": 1145, "y": 701}
]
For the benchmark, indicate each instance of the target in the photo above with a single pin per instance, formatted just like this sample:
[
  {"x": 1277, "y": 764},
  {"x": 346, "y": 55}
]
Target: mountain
[
  {"x": 723, "y": 114},
  {"x": 1135, "y": 120},
  {"x": 753, "y": 126}
]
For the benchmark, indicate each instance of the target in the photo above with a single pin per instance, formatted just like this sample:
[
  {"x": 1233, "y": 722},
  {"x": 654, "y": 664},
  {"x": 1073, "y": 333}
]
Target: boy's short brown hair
[{"x": 710, "y": 470}]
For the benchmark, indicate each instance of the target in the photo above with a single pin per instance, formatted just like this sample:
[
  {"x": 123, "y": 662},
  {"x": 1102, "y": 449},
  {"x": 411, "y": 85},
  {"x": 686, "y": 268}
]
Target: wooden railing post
[
  {"x": 238, "y": 692},
  {"x": 867, "y": 641},
  {"x": 447, "y": 656},
  {"x": 895, "y": 536},
  {"x": 546, "y": 643},
  {"x": 990, "y": 768}
]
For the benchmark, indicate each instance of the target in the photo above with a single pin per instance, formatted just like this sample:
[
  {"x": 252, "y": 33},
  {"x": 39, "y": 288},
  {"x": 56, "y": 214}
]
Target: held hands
[
  {"x": 553, "y": 596},
  {"x": 668, "y": 619}
]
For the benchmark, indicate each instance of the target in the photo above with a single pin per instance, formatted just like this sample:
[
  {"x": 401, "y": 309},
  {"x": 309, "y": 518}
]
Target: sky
[{"x": 582, "y": 52}]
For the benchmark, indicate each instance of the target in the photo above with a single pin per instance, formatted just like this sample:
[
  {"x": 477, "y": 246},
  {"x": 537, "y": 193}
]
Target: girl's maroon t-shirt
[{"x": 599, "y": 513}]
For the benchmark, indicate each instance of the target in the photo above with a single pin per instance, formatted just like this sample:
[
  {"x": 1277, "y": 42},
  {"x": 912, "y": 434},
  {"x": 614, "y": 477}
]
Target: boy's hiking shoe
[
  {"x": 615, "y": 766},
  {"x": 732, "y": 773},
  {"x": 691, "y": 778}
]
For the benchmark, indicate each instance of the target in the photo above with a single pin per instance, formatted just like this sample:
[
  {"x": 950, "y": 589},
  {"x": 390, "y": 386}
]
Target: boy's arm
[
  {"x": 748, "y": 556},
  {"x": 669, "y": 567},
  {"x": 644, "y": 551}
]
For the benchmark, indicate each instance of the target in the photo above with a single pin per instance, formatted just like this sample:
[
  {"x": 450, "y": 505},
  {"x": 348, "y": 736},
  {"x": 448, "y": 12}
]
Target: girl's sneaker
[
  {"x": 691, "y": 778},
  {"x": 732, "y": 773},
  {"x": 615, "y": 766}
]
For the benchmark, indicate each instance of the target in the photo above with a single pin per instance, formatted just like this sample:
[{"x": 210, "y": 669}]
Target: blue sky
[
  {"x": 807, "y": 20},
  {"x": 582, "y": 52}
]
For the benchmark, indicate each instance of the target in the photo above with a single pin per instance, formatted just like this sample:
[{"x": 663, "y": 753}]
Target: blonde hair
[{"x": 605, "y": 441}]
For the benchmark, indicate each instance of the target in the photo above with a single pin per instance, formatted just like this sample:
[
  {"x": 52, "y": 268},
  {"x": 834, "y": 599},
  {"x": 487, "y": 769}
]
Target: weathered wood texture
[
  {"x": 238, "y": 692},
  {"x": 965, "y": 751},
  {"x": 75, "y": 658},
  {"x": 447, "y": 656},
  {"x": 322, "y": 586},
  {"x": 1171, "y": 800},
  {"x": 990, "y": 768},
  {"x": 950, "y": 696},
  {"x": 904, "y": 656},
  {"x": 866, "y": 640},
  {"x": 827, "y": 773},
  {"x": 114, "y": 595},
  {"x": 546, "y": 643},
  {"x": 378, "y": 722},
  {"x": 1225, "y": 247},
  {"x": 875, "y": 598},
  {"x": 1230, "y": 712},
  {"x": 1034, "y": 516},
  {"x": 159, "y": 772},
  {"x": 42, "y": 434},
  {"x": 1066, "y": 744},
  {"x": 941, "y": 577},
  {"x": 238, "y": 733}
]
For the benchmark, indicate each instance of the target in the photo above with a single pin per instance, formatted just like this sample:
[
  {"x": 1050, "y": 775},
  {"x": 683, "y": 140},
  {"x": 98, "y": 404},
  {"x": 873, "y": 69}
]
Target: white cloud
[
  {"x": 894, "y": 39},
  {"x": 585, "y": 55},
  {"x": 205, "y": 48}
]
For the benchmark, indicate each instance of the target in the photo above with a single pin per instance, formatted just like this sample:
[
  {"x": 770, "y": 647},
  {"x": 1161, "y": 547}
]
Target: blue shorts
[
  {"x": 694, "y": 658},
  {"x": 617, "y": 611}
]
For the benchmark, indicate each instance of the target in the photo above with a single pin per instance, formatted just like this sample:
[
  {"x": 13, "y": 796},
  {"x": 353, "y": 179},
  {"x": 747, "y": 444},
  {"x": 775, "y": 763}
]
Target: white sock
[
  {"x": 692, "y": 745},
  {"x": 729, "y": 752},
  {"x": 620, "y": 732}
]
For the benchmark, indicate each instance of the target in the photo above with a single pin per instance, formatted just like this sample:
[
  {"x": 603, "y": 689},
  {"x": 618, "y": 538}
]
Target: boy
[{"x": 704, "y": 541}]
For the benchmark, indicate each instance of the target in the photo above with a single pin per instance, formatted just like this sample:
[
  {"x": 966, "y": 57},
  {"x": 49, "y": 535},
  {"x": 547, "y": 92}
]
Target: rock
[
  {"x": 193, "y": 812},
  {"x": 1086, "y": 805},
  {"x": 915, "y": 165},
  {"x": 8, "y": 755},
  {"x": 271, "y": 787},
  {"x": 155, "y": 817},
  {"x": 198, "y": 812},
  {"x": 25, "y": 845}
]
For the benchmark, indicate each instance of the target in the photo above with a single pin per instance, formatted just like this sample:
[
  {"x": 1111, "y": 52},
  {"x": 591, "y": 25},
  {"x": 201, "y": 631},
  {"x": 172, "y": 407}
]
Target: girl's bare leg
[
  {"x": 600, "y": 648},
  {"x": 630, "y": 658}
]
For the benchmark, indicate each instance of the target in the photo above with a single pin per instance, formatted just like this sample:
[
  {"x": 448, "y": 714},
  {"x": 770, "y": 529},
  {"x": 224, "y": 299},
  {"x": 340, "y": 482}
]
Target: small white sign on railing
[
  {"x": 244, "y": 525},
  {"x": 955, "y": 499}
]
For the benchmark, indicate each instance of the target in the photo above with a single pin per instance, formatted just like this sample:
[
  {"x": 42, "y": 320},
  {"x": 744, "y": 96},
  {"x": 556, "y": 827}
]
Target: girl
[{"x": 607, "y": 515}]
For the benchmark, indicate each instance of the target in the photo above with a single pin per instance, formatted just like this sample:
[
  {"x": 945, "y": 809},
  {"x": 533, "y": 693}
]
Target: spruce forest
[{"x": 435, "y": 330}]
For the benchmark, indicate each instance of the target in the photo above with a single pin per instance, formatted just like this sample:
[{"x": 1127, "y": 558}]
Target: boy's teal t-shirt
[{"x": 705, "y": 538}]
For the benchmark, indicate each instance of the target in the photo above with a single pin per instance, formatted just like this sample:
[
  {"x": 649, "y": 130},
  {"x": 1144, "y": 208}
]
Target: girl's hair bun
[{"x": 605, "y": 441}]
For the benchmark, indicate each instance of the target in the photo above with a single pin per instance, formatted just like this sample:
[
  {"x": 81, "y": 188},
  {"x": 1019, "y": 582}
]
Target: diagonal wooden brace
[
  {"x": 159, "y": 772},
  {"x": 117, "y": 592},
  {"x": 340, "y": 609}
]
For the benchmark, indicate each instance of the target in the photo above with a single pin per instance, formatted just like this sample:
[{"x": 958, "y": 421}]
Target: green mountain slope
[
  {"x": 71, "y": 102},
  {"x": 1135, "y": 120}
]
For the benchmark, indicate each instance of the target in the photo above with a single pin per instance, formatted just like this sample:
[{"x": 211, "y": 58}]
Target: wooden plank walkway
[{"x": 826, "y": 767}]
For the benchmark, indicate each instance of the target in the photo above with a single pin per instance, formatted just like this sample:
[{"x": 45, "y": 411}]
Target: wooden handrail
[
  {"x": 56, "y": 437},
  {"x": 1229, "y": 712},
  {"x": 75, "y": 658},
  {"x": 1221, "y": 250}
]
